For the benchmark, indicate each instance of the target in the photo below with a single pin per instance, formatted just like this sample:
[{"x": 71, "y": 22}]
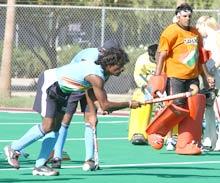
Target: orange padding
[
  {"x": 190, "y": 129},
  {"x": 157, "y": 83},
  {"x": 166, "y": 119}
]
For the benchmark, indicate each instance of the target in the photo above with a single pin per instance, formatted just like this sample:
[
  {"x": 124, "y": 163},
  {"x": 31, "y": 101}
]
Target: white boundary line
[
  {"x": 129, "y": 165},
  {"x": 119, "y": 113},
  {"x": 72, "y": 123},
  {"x": 78, "y": 139}
]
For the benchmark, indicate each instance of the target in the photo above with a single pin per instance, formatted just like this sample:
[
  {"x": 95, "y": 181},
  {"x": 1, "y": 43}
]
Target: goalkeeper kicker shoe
[
  {"x": 156, "y": 141},
  {"x": 189, "y": 149},
  {"x": 12, "y": 156}
]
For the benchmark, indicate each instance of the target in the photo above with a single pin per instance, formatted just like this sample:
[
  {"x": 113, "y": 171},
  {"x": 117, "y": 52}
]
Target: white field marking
[
  {"x": 129, "y": 165},
  {"x": 116, "y": 114},
  {"x": 78, "y": 139},
  {"x": 74, "y": 122}
]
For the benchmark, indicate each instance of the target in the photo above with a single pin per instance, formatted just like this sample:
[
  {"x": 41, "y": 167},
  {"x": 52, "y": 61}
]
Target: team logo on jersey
[
  {"x": 70, "y": 85},
  {"x": 191, "y": 41},
  {"x": 191, "y": 57}
]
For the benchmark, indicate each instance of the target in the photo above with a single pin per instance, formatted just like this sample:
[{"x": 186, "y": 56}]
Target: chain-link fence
[{"x": 49, "y": 36}]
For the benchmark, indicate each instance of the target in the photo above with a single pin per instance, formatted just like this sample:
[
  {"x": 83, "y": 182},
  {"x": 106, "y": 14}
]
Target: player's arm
[
  {"x": 160, "y": 62},
  {"x": 100, "y": 94},
  {"x": 208, "y": 79}
]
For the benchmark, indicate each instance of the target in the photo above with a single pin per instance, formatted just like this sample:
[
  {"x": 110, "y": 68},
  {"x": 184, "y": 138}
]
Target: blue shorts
[{"x": 50, "y": 100}]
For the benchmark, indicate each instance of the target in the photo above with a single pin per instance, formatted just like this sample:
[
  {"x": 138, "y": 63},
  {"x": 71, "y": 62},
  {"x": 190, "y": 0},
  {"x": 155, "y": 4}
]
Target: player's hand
[
  {"x": 105, "y": 112},
  {"x": 211, "y": 81},
  {"x": 133, "y": 104},
  {"x": 100, "y": 111}
]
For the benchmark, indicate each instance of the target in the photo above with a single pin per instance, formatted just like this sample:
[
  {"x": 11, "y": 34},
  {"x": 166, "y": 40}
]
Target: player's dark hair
[
  {"x": 112, "y": 56},
  {"x": 183, "y": 7},
  {"x": 152, "y": 49}
]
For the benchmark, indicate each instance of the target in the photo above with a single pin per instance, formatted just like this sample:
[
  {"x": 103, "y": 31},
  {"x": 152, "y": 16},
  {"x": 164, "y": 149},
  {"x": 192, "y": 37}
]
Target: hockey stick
[
  {"x": 194, "y": 90},
  {"x": 96, "y": 154}
]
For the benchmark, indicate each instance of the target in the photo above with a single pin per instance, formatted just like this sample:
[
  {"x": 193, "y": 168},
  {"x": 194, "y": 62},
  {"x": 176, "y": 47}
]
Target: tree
[
  {"x": 178, "y": 2},
  {"x": 5, "y": 75}
]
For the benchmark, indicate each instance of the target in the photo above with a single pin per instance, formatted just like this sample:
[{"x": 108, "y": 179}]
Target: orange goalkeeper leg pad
[
  {"x": 190, "y": 129},
  {"x": 163, "y": 122}
]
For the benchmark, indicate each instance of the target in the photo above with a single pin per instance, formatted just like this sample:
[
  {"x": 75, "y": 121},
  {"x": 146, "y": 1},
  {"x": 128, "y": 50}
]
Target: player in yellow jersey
[{"x": 139, "y": 118}]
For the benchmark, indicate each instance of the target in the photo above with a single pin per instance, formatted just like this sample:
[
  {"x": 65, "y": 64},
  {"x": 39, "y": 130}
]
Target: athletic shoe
[
  {"x": 44, "y": 171},
  {"x": 89, "y": 165},
  {"x": 56, "y": 163},
  {"x": 207, "y": 144},
  {"x": 217, "y": 146},
  {"x": 12, "y": 156},
  {"x": 170, "y": 144},
  {"x": 138, "y": 139}
]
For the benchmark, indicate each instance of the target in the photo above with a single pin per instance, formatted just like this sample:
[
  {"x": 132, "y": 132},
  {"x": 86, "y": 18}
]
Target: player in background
[
  {"x": 210, "y": 31},
  {"x": 88, "y": 55},
  {"x": 140, "y": 117}
]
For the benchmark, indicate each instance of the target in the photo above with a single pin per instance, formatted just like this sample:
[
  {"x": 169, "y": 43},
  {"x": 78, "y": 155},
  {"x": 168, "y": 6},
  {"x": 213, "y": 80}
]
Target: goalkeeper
[{"x": 180, "y": 58}]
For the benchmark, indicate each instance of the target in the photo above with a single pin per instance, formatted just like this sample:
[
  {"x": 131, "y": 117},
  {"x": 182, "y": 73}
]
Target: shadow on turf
[
  {"x": 24, "y": 163},
  {"x": 156, "y": 167},
  {"x": 212, "y": 153},
  {"x": 39, "y": 179},
  {"x": 163, "y": 175},
  {"x": 4, "y": 164}
]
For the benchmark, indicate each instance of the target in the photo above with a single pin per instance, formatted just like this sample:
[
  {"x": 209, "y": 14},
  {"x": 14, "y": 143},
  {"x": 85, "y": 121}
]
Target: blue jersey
[
  {"x": 71, "y": 77},
  {"x": 89, "y": 54}
]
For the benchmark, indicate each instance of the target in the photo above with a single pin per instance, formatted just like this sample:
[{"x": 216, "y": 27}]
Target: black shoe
[
  {"x": 138, "y": 139},
  {"x": 56, "y": 163}
]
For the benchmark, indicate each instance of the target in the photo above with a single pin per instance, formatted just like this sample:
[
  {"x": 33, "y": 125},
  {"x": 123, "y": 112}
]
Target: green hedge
[{"x": 25, "y": 64}]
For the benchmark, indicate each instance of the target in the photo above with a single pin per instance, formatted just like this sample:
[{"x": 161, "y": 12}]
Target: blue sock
[
  {"x": 58, "y": 149},
  {"x": 46, "y": 148},
  {"x": 32, "y": 135},
  {"x": 89, "y": 142}
]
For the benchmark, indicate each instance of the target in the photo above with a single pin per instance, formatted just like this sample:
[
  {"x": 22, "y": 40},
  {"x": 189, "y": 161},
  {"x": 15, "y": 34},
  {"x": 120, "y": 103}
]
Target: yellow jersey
[{"x": 143, "y": 70}]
